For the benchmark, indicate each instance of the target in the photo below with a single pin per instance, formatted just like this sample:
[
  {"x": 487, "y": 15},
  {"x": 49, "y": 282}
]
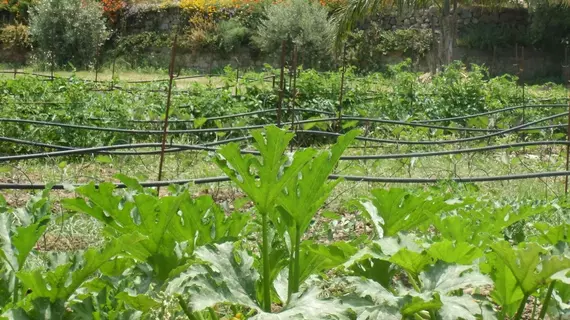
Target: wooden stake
[
  {"x": 568, "y": 140},
  {"x": 294, "y": 92},
  {"x": 281, "y": 84},
  {"x": 167, "y": 112},
  {"x": 340, "y": 98}
]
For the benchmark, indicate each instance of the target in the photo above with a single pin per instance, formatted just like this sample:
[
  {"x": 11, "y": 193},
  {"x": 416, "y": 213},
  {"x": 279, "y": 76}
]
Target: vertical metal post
[
  {"x": 340, "y": 98},
  {"x": 281, "y": 84},
  {"x": 523, "y": 84},
  {"x": 237, "y": 80},
  {"x": 167, "y": 111},
  {"x": 273, "y": 84},
  {"x": 15, "y": 71},
  {"x": 52, "y": 66},
  {"x": 294, "y": 92},
  {"x": 567, "y": 140}
]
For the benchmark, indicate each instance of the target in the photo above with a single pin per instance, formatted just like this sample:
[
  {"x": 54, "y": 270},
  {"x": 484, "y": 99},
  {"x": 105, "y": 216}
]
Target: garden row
[
  {"x": 431, "y": 253},
  {"x": 60, "y": 112}
]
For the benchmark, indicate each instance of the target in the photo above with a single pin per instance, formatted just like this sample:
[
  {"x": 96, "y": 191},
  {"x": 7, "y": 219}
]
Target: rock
[
  {"x": 425, "y": 25},
  {"x": 392, "y": 21},
  {"x": 412, "y": 20},
  {"x": 426, "y": 20},
  {"x": 466, "y": 21},
  {"x": 406, "y": 22},
  {"x": 459, "y": 21},
  {"x": 474, "y": 21}
]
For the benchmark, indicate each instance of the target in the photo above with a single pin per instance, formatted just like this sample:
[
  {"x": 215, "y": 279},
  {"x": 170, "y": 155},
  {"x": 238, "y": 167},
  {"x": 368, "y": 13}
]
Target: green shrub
[
  {"x": 67, "y": 31},
  {"x": 232, "y": 35},
  {"x": 550, "y": 26},
  {"x": 366, "y": 48},
  {"x": 302, "y": 22},
  {"x": 15, "y": 42}
]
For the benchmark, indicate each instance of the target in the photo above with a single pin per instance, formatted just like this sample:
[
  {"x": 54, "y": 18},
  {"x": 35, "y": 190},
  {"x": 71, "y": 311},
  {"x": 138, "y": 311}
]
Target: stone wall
[{"x": 466, "y": 16}]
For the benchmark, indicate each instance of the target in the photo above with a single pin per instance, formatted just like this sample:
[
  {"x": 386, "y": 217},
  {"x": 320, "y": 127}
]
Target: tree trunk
[{"x": 445, "y": 39}]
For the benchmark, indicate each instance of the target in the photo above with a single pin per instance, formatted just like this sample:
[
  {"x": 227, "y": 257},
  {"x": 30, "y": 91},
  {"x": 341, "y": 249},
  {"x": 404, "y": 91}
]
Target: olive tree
[
  {"x": 304, "y": 23},
  {"x": 67, "y": 31}
]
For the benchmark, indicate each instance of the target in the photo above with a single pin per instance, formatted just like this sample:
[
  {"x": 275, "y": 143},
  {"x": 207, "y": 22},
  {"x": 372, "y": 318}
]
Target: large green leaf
[
  {"x": 530, "y": 264},
  {"x": 18, "y": 241},
  {"x": 438, "y": 282},
  {"x": 395, "y": 210},
  {"x": 306, "y": 192},
  {"x": 173, "y": 223},
  {"x": 445, "y": 278},
  {"x": 227, "y": 277},
  {"x": 459, "y": 252},
  {"x": 506, "y": 291},
  {"x": 307, "y": 305},
  {"x": 263, "y": 179},
  {"x": 317, "y": 258},
  {"x": 410, "y": 261},
  {"x": 62, "y": 282}
]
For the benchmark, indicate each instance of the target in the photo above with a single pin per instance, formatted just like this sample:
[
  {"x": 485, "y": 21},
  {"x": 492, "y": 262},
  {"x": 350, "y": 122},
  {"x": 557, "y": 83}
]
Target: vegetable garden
[{"x": 385, "y": 196}]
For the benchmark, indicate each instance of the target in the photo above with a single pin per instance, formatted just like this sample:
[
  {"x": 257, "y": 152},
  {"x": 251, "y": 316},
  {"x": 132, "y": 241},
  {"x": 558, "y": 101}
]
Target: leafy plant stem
[
  {"x": 213, "y": 314},
  {"x": 297, "y": 261},
  {"x": 186, "y": 310},
  {"x": 520, "y": 311},
  {"x": 413, "y": 282},
  {"x": 265, "y": 260},
  {"x": 546, "y": 301},
  {"x": 16, "y": 291}
]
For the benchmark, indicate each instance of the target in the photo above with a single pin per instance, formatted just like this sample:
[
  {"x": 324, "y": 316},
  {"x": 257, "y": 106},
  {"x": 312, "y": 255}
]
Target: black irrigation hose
[
  {"x": 207, "y": 147},
  {"x": 35, "y": 144},
  {"x": 450, "y": 152},
  {"x": 131, "y": 131},
  {"x": 436, "y": 142},
  {"x": 15, "y": 186},
  {"x": 361, "y": 119},
  {"x": 493, "y": 112},
  {"x": 105, "y": 149}
]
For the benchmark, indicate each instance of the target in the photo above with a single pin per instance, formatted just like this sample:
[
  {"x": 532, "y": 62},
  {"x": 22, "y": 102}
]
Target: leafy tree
[
  {"x": 67, "y": 31},
  {"x": 301, "y": 22},
  {"x": 356, "y": 10}
]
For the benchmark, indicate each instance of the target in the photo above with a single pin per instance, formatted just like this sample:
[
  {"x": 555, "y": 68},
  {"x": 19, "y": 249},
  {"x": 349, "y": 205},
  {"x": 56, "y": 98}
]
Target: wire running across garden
[{"x": 298, "y": 129}]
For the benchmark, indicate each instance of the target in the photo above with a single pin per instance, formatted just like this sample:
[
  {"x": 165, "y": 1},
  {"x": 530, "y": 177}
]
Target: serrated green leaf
[
  {"x": 131, "y": 183},
  {"x": 506, "y": 292},
  {"x": 395, "y": 210},
  {"x": 61, "y": 283},
  {"x": 175, "y": 225},
  {"x": 139, "y": 302},
  {"x": 445, "y": 278},
  {"x": 229, "y": 277},
  {"x": 530, "y": 264},
  {"x": 307, "y": 306},
  {"x": 460, "y": 253},
  {"x": 18, "y": 241},
  {"x": 274, "y": 169},
  {"x": 417, "y": 304},
  {"x": 410, "y": 261}
]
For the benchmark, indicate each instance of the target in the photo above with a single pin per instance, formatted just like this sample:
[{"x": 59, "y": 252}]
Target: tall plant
[{"x": 67, "y": 31}]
